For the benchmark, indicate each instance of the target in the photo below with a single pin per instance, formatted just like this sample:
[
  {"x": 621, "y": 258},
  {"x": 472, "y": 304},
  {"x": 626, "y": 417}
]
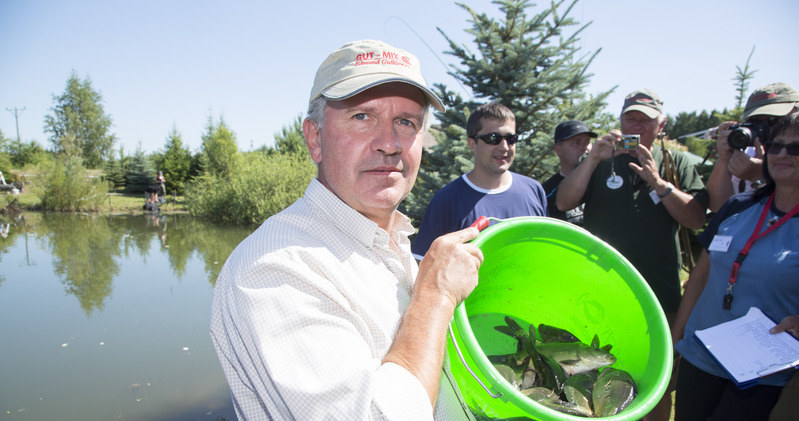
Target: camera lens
[{"x": 740, "y": 138}]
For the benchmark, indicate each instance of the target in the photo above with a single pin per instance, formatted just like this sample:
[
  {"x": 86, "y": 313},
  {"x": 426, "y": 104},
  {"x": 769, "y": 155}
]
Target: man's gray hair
[{"x": 316, "y": 113}]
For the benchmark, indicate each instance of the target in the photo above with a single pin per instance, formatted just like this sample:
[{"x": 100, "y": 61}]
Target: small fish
[
  {"x": 517, "y": 361},
  {"x": 540, "y": 394},
  {"x": 508, "y": 374},
  {"x": 515, "y": 330},
  {"x": 550, "y": 374},
  {"x": 577, "y": 357},
  {"x": 613, "y": 391},
  {"x": 529, "y": 377},
  {"x": 555, "y": 334},
  {"x": 595, "y": 341},
  {"x": 550, "y": 399},
  {"x": 577, "y": 390}
]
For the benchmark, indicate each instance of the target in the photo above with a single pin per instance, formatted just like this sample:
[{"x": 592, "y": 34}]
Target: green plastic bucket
[{"x": 542, "y": 270}]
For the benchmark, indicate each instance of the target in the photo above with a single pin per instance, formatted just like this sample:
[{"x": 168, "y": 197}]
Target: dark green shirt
[{"x": 629, "y": 220}]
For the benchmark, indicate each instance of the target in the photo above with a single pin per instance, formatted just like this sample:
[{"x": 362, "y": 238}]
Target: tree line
[{"x": 529, "y": 60}]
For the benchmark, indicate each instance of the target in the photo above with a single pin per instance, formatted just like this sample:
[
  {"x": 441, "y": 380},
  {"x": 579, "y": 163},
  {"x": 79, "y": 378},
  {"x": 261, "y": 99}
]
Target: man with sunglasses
[
  {"x": 490, "y": 189},
  {"x": 737, "y": 171}
]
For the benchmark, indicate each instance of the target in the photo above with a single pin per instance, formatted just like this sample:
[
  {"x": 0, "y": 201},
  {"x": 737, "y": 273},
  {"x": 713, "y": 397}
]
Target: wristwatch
[{"x": 669, "y": 189}]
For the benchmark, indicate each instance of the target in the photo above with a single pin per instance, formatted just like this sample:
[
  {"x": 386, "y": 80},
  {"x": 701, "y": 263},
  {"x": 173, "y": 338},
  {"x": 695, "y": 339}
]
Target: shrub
[
  {"x": 65, "y": 186},
  {"x": 261, "y": 187}
]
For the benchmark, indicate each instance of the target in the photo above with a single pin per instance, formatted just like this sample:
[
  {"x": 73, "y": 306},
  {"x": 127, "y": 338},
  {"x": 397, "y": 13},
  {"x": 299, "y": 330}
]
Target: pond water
[{"x": 106, "y": 317}]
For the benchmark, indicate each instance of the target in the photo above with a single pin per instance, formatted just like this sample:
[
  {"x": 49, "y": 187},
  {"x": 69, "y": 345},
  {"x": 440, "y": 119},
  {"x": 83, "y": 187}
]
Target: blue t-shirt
[
  {"x": 768, "y": 278},
  {"x": 458, "y": 204}
]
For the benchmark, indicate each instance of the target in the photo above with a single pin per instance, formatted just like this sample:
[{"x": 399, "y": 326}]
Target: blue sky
[{"x": 164, "y": 63}]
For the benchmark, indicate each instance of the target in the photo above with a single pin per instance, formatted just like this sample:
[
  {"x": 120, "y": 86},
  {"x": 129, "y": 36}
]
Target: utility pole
[{"x": 16, "y": 112}]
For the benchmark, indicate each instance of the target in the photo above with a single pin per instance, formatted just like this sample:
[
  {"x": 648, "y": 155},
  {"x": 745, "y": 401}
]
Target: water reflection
[{"x": 106, "y": 317}]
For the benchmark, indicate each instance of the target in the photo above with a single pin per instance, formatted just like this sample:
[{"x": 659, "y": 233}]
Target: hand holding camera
[{"x": 743, "y": 135}]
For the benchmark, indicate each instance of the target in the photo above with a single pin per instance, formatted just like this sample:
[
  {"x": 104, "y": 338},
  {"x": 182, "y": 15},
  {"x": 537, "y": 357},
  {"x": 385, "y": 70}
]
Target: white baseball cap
[{"x": 359, "y": 65}]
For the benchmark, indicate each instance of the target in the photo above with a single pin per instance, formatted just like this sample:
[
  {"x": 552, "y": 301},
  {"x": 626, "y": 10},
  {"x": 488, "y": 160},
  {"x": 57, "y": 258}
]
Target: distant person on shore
[{"x": 161, "y": 182}]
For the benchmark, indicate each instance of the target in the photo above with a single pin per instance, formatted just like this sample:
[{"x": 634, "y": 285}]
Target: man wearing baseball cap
[
  {"x": 740, "y": 170},
  {"x": 572, "y": 142},
  {"x": 323, "y": 313},
  {"x": 630, "y": 205}
]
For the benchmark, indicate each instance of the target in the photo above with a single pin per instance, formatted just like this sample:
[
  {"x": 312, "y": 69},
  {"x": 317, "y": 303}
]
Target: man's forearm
[
  {"x": 421, "y": 339},
  {"x": 719, "y": 185},
  {"x": 683, "y": 207},
  {"x": 572, "y": 188}
]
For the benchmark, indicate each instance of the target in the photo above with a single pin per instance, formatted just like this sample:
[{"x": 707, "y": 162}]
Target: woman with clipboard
[{"x": 750, "y": 259}]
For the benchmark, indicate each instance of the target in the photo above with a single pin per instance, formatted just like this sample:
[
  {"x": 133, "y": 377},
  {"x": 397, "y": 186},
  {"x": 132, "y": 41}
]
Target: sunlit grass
[{"x": 116, "y": 202}]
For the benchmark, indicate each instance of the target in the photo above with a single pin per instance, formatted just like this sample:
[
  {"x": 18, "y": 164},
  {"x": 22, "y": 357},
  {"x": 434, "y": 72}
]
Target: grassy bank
[{"x": 115, "y": 202}]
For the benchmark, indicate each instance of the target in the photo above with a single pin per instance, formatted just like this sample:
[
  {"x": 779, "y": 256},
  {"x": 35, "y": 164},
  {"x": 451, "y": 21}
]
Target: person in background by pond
[
  {"x": 740, "y": 170},
  {"x": 630, "y": 205},
  {"x": 572, "y": 142},
  {"x": 323, "y": 313},
  {"x": 161, "y": 182},
  {"x": 490, "y": 189},
  {"x": 767, "y": 278}
]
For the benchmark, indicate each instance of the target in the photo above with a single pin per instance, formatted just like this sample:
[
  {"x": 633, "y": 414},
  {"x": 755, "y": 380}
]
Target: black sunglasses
[
  {"x": 496, "y": 138},
  {"x": 774, "y": 148}
]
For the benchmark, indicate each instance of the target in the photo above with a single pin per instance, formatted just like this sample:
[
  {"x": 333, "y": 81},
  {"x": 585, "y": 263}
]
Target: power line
[{"x": 16, "y": 112}]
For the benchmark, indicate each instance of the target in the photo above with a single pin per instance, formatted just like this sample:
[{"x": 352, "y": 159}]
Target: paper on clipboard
[{"x": 746, "y": 350}]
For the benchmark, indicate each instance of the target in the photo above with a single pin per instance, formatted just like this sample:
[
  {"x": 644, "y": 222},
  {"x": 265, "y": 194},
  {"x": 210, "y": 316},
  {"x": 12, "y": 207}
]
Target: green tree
[
  {"x": 64, "y": 185},
  {"x": 175, "y": 162},
  {"x": 5, "y": 155},
  {"x": 29, "y": 154},
  {"x": 742, "y": 78},
  {"x": 78, "y": 124},
  {"x": 219, "y": 151},
  {"x": 139, "y": 173},
  {"x": 261, "y": 186},
  {"x": 115, "y": 169},
  {"x": 290, "y": 139},
  {"x": 533, "y": 65}
]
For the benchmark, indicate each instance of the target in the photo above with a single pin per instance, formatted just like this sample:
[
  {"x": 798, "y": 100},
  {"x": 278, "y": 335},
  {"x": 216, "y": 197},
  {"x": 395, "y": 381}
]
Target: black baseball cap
[{"x": 571, "y": 128}]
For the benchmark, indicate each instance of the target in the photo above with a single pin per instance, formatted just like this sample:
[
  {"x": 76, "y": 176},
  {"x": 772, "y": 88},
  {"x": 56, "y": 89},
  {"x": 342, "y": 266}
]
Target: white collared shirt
[{"x": 305, "y": 309}]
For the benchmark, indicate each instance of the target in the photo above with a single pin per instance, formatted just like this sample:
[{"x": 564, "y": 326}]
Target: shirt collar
[{"x": 350, "y": 221}]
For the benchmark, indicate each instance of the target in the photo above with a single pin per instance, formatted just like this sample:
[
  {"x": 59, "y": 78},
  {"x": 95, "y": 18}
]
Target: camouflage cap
[
  {"x": 644, "y": 101},
  {"x": 775, "y": 99}
]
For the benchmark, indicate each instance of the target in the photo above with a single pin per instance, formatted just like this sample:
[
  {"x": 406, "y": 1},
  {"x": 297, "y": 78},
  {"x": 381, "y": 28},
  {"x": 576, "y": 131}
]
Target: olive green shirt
[{"x": 643, "y": 231}]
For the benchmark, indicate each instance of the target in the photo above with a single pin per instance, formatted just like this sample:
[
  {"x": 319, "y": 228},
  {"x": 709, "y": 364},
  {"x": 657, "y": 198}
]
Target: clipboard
[{"x": 746, "y": 350}]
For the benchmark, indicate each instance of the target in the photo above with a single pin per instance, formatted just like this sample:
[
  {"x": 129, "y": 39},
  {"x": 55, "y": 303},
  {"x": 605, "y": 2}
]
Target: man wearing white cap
[{"x": 323, "y": 313}]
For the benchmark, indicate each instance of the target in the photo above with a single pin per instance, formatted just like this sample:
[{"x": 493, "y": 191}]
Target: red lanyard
[{"x": 756, "y": 235}]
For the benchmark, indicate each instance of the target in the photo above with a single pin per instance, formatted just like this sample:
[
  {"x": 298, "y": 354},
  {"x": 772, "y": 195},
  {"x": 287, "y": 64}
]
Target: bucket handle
[{"x": 465, "y": 364}]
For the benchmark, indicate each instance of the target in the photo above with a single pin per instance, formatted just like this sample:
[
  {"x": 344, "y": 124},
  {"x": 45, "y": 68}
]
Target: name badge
[
  {"x": 654, "y": 195},
  {"x": 720, "y": 243}
]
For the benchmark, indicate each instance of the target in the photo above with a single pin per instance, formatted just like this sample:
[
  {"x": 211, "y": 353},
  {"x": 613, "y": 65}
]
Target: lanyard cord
[{"x": 756, "y": 235}]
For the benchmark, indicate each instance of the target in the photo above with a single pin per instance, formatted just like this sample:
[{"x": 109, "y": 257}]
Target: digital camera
[
  {"x": 629, "y": 142},
  {"x": 744, "y": 134}
]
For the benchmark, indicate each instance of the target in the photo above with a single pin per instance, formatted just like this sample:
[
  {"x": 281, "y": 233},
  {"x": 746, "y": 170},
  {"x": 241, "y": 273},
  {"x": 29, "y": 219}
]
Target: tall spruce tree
[
  {"x": 219, "y": 150},
  {"x": 175, "y": 162},
  {"x": 139, "y": 173},
  {"x": 530, "y": 63}
]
